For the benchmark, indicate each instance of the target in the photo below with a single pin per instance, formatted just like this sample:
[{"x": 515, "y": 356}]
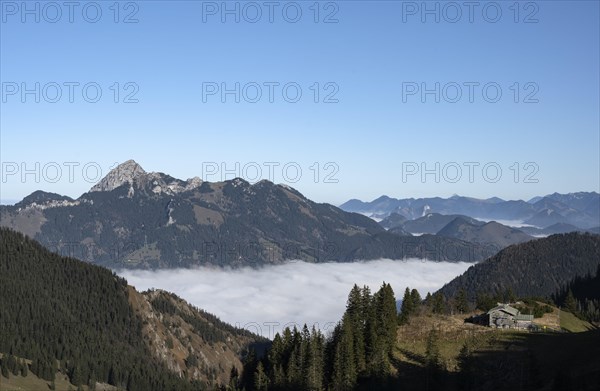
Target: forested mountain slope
[
  {"x": 536, "y": 268},
  {"x": 101, "y": 330}
]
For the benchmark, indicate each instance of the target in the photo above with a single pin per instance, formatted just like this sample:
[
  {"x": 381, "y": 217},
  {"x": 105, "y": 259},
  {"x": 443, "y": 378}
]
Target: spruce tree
[
  {"x": 294, "y": 362},
  {"x": 462, "y": 305},
  {"x": 372, "y": 337},
  {"x": 415, "y": 298},
  {"x": 356, "y": 311},
  {"x": 407, "y": 307},
  {"x": 432, "y": 352},
  {"x": 13, "y": 365},
  {"x": 25, "y": 369},
  {"x": 234, "y": 376},
  {"x": 509, "y": 295},
  {"x": 261, "y": 381},
  {"x": 4, "y": 366},
  {"x": 52, "y": 368},
  {"x": 344, "y": 370},
  {"x": 438, "y": 306},
  {"x": 76, "y": 376},
  {"x": 92, "y": 382},
  {"x": 388, "y": 316},
  {"x": 275, "y": 362},
  {"x": 315, "y": 362},
  {"x": 274, "y": 356},
  {"x": 485, "y": 302},
  {"x": 571, "y": 303}
]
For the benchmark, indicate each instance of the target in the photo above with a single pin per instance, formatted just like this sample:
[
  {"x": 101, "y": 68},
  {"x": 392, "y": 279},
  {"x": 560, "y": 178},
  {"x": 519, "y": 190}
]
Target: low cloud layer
[{"x": 268, "y": 299}]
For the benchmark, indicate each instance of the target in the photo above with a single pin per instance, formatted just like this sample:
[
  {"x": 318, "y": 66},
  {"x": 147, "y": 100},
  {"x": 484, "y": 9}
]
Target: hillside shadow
[
  {"x": 415, "y": 376},
  {"x": 411, "y": 355},
  {"x": 260, "y": 348},
  {"x": 534, "y": 361},
  {"x": 512, "y": 361}
]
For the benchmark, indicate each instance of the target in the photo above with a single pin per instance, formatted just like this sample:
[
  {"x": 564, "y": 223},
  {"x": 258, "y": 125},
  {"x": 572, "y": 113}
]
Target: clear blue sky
[{"x": 376, "y": 51}]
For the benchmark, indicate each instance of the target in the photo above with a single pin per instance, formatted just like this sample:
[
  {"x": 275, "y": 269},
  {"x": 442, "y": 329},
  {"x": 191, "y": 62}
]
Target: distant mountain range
[
  {"x": 558, "y": 228},
  {"x": 492, "y": 232},
  {"x": 538, "y": 268},
  {"x": 136, "y": 219},
  {"x": 458, "y": 227},
  {"x": 431, "y": 223},
  {"x": 581, "y": 209}
]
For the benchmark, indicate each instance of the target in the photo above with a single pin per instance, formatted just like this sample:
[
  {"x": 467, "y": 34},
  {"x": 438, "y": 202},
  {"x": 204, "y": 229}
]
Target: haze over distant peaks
[{"x": 581, "y": 209}]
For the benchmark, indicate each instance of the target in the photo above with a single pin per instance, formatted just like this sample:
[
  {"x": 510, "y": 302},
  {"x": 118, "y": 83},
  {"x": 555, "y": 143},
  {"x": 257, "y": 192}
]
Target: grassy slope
[
  {"x": 514, "y": 355},
  {"x": 34, "y": 383},
  {"x": 573, "y": 324},
  {"x": 568, "y": 322},
  {"x": 412, "y": 338}
]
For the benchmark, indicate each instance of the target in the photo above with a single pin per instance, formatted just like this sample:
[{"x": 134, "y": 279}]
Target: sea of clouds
[{"x": 268, "y": 299}]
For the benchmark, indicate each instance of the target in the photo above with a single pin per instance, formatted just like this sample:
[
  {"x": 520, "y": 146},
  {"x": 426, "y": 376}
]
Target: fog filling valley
[{"x": 268, "y": 299}]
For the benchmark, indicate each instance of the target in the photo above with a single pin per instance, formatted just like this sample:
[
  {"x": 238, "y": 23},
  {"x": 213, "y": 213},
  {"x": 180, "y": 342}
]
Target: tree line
[
  {"x": 581, "y": 297},
  {"x": 358, "y": 350}
]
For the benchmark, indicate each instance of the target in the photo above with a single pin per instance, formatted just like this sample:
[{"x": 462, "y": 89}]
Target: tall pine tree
[{"x": 406, "y": 308}]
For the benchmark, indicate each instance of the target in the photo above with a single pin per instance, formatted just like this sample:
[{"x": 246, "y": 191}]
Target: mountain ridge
[
  {"x": 581, "y": 209},
  {"x": 135, "y": 219}
]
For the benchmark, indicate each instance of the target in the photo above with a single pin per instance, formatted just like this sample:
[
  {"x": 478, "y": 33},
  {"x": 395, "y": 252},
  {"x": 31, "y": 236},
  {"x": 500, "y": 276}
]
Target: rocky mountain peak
[{"x": 124, "y": 173}]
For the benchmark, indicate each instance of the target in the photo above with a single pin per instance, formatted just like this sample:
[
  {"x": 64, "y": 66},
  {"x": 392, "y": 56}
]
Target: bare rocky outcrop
[
  {"x": 191, "y": 343},
  {"x": 124, "y": 173},
  {"x": 132, "y": 174}
]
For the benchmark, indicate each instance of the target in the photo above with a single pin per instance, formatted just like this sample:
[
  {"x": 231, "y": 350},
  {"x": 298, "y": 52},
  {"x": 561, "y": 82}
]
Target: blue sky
[{"x": 362, "y": 143}]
